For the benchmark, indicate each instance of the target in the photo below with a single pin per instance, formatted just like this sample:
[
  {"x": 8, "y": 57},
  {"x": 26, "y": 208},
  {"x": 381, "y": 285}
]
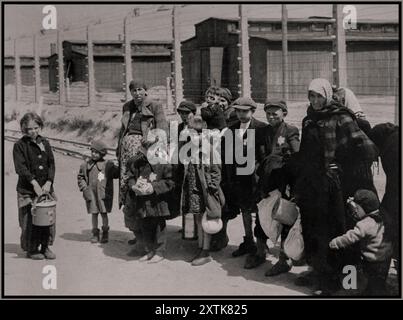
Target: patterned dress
[{"x": 193, "y": 201}]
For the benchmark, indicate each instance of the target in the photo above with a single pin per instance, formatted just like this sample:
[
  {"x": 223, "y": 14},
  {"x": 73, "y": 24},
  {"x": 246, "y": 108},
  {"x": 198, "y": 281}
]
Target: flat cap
[
  {"x": 187, "y": 106},
  {"x": 244, "y": 103},
  {"x": 276, "y": 103}
]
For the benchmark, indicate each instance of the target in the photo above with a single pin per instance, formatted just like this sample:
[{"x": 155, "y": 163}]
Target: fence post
[
  {"x": 169, "y": 94},
  {"x": 178, "y": 80},
  {"x": 397, "y": 103},
  {"x": 90, "y": 69},
  {"x": 37, "y": 70},
  {"x": 244, "y": 73},
  {"x": 127, "y": 58},
  {"x": 60, "y": 63},
  {"x": 339, "y": 45},
  {"x": 17, "y": 70},
  {"x": 284, "y": 32}
]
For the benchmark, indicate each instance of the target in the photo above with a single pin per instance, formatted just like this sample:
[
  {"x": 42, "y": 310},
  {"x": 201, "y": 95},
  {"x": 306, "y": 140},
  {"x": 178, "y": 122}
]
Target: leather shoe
[{"x": 253, "y": 261}]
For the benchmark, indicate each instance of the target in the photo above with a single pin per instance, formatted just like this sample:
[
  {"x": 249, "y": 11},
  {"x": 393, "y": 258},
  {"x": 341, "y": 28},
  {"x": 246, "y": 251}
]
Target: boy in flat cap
[
  {"x": 275, "y": 143},
  {"x": 240, "y": 189}
]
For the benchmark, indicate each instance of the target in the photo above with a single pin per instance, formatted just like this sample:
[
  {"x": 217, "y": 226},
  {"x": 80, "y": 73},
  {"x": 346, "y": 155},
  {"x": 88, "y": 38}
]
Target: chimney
[{"x": 53, "y": 48}]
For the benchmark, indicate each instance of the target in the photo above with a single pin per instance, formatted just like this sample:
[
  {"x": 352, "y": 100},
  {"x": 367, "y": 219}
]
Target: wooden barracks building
[
  {"x": 211, "y": 56},
  {"x": 151, "y": 61}
]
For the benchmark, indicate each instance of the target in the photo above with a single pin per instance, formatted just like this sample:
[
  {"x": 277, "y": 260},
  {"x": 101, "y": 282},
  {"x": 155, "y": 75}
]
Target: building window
[{"x": 318, "y": 27}]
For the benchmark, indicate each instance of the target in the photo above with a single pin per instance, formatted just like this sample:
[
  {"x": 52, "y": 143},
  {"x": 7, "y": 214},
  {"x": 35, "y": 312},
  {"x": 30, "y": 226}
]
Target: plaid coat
[{"x": 342, "y": 139}]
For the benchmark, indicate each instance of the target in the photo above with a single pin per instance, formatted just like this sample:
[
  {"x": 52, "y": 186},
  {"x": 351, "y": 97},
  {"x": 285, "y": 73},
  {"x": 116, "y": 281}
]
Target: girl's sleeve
[
  {"x": 167, "y": 183},
  {"x": 51, "y": 163},
  {"x": 20, "y": 163},
  {"x": 215, "y": 177}
]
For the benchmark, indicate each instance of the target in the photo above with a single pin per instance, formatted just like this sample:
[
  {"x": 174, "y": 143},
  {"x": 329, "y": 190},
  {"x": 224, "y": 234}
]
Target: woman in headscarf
[
  {"x": 139, "y": 116},
  {"x": 333, "y": 150}
]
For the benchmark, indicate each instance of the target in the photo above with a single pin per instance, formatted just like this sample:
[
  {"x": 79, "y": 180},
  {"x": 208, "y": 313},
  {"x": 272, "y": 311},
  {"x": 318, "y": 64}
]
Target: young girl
[
  {"x": 199, "y": 177},
  {"x": 151, "y": 186},
  {"x": 35, "y": 165},
  {"x": 95, "y": 180}
]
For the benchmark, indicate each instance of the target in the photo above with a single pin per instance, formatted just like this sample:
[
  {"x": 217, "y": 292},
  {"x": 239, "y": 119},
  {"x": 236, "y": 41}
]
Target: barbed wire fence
[{"x": 91, "y": 63}]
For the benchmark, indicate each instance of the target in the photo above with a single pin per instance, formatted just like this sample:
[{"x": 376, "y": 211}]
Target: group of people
[{"x": 325, "y": 170}]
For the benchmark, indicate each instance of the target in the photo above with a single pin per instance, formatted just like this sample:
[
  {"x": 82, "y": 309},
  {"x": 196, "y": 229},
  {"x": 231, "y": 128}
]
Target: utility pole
[
  {"x": 127, "y": 57},
  {"x": 284, "y": 32},
  {"x": 177, "y": 59},
  {"x": 90, "y": 69},
  {"x": 244, "y": 72},
  {"x": 339, "y": 49},
  {"x": 17, "y": 69},
  {"x": 37, "y": 70},
  {"x": 60, "y": 67}
]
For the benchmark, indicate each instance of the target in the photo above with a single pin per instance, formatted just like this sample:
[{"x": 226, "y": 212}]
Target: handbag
[
  {"x": 286, "y": 212},
  {"x": 272, "y": 228},
  {"x": 294, "y": 243},
  {"x": 214, "y": 202}
]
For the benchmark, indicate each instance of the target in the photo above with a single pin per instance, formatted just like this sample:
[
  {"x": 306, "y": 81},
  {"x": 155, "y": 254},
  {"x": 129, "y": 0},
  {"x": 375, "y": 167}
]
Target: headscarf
[
  {"x": 322, "y": 87},
  {"x": 347, "y": 98}
]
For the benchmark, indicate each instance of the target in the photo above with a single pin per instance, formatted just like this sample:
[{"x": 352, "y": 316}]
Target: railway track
[{"x": 73, "y": 149}]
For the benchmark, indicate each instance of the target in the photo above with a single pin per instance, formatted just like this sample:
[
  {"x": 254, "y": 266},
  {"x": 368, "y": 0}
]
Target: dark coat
[
  {"x": 386, "y": 138},
  {"x": 152, "y": 117},
  {"x": 31, "y": 162},
  {"x": 104, "y": 187},
  {"x": 238, "y": 189},
  {"x": 156, "y": 204},
  {"x": 274, "y": 146}
]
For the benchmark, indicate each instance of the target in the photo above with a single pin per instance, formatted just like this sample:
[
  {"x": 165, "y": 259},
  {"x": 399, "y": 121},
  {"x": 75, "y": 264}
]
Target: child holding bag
[
  {"x": 201, "y": 183},
  {"x": 151, "y": 186},
  {"x": 35, "y": 165}
]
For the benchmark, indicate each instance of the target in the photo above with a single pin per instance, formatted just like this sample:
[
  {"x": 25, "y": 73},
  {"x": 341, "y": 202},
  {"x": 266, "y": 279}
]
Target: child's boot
[
  {"x": 95, "y": 235},
  {"x": 105, "y": 235},
  {"x": 48, "y": 253}
]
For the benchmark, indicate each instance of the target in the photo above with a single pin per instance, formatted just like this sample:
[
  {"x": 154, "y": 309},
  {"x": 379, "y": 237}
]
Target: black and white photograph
[{"x": 194, "y": 150}]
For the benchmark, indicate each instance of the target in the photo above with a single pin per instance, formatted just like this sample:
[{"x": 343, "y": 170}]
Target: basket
[{"x": 44, "y": 211}]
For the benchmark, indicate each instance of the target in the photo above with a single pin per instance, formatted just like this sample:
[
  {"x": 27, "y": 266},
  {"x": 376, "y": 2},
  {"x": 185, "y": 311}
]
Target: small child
[
  {"x": 151, "y": 186},
  {"x": 212, "y": 110},
  {"x": 95, "y": 181},
  {"x": 200, "y": 177},
  {"x": 35, "y": 165},
  {"x": 369, "y": 231}
]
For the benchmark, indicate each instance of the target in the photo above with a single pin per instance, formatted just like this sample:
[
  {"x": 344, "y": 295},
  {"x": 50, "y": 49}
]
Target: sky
[{"x": 22, "y": 21}]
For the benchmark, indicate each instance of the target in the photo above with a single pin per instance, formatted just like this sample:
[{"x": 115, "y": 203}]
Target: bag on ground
[
  {"x": 294, "y": 243},
  {"x": 272, "y": 228}
]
